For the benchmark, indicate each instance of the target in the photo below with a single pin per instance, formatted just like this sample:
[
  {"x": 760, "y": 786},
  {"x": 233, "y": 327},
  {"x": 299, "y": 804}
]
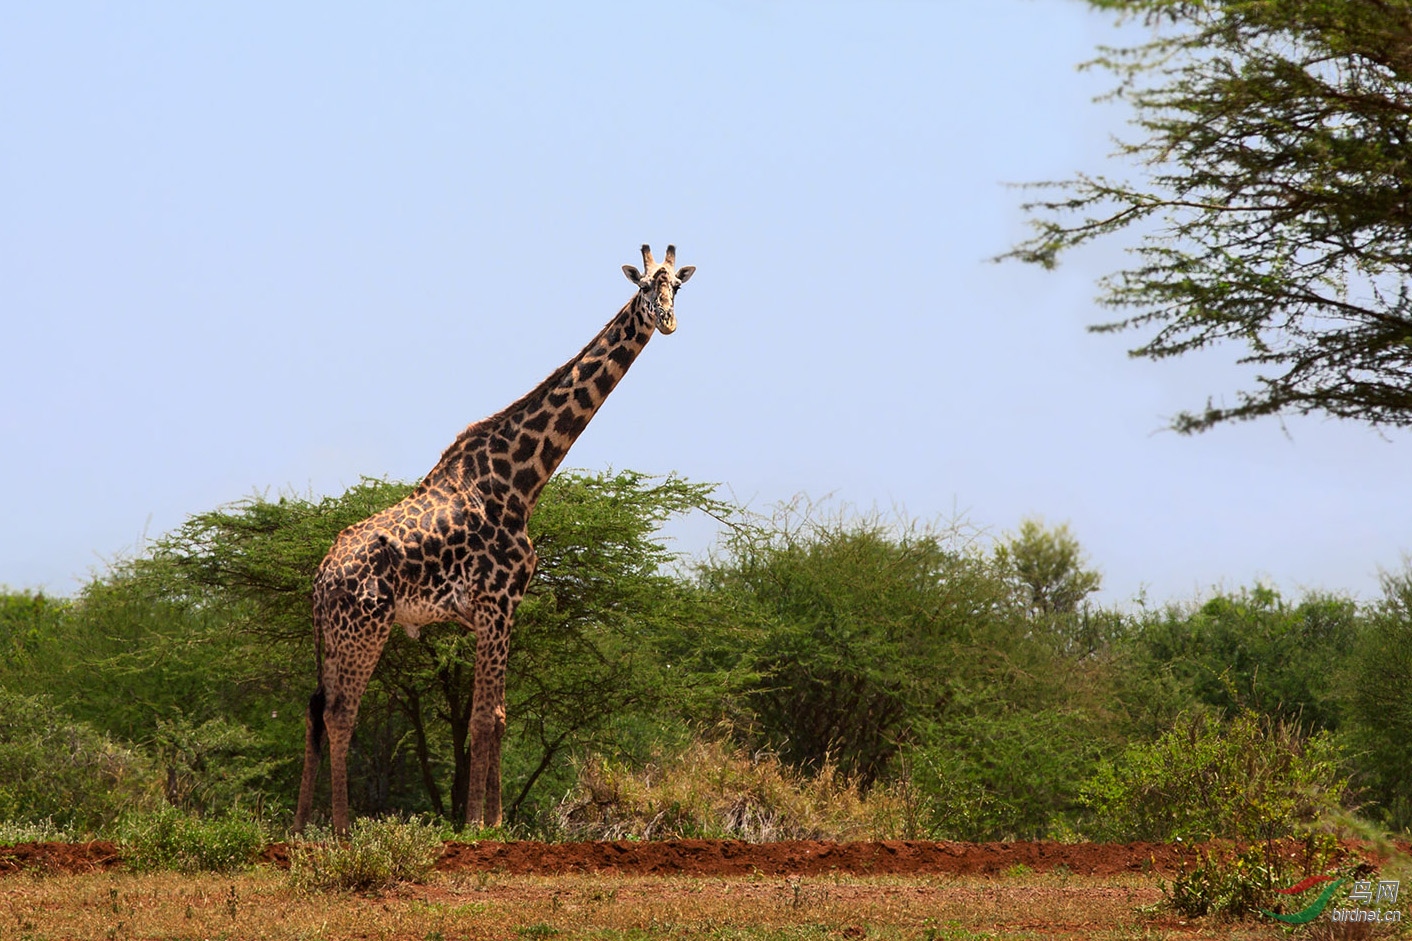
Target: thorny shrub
[
  {"x": 1249, "y": 778},
  {"x": 1236, "y": 884},
  {"x": 378, "y": 854},
  {"x": 712, "y": 790},
  {"x": 172, "y": 839}
]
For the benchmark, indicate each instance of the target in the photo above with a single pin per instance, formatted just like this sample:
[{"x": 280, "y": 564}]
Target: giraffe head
[{"x": 658, "y": 285}]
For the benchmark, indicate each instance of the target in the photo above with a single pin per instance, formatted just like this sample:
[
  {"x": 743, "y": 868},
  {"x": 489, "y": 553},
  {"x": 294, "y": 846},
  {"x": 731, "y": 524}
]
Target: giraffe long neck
[{"x": 510, "y": 456}]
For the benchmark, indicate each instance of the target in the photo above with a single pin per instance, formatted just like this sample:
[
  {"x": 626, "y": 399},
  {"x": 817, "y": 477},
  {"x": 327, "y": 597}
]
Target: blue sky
[{"x": 260, "y": 247}]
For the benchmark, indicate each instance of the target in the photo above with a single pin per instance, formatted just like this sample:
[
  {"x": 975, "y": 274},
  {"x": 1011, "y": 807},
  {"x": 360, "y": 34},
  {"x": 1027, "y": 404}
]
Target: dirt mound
[
  {"x": 59, "y": 857},
  {"x": 728, "y": 857},
  {"x": 800, "y": 857}
]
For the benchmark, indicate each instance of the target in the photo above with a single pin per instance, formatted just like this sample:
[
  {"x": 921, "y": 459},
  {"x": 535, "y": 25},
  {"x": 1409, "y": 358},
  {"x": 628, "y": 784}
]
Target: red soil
[
  {"x": 59, "y": 857},
  {"x": 720, "y": 857},
  {"x": 799, "y": 857}
]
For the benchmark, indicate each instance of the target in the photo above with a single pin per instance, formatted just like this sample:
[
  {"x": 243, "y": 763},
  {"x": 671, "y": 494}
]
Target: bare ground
[{"x": 672, "y": 889}]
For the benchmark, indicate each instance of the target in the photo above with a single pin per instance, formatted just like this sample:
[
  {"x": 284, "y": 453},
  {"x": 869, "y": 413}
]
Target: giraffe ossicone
[{"x": 457, "y": 549}]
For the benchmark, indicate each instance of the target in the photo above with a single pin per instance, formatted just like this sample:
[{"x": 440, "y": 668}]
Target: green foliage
[
  {"x": 27, "y": 621},
  {"x": 895, "y": 668},
  {"x": 378, "y": 854},
  {"x": 58, "y": 769},
  {"x": 169, "y": 838},
  {"x": 1007, "y": 773},
  {"x": 1249, "y": 649},
  {"x": 866, "y": 632},
  {"x": 900, "y": 653},
  {"x": 1271, "y": 205},
  {"x": 173, "y": 671},
  {"x": 209, "y": 767},
  {"x": 1380, "y": 699},
  {"x": 139, "y": 657},
  {"x": 1049, "y": 562},
  {"x": 1232, "y": 885},
  {"x": 1248, "y": 778}
]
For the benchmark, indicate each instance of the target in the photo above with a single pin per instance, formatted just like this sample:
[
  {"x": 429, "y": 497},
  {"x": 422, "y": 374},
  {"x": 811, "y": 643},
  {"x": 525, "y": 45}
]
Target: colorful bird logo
[{"x": 1315, "y": 908}]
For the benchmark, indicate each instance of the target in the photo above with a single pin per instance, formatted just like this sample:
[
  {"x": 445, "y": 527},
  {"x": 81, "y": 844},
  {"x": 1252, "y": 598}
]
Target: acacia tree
[
  {"x": 1049, "y": 562},
  {"x": 1273, "y": 203},
  {"x": 865, "y": 632},
  {"x": 1380, "y": 701},
  {"x": 585, "y": 658}
]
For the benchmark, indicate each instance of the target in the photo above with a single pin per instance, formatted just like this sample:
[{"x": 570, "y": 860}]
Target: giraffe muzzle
[{"x": 664, "y": 317}]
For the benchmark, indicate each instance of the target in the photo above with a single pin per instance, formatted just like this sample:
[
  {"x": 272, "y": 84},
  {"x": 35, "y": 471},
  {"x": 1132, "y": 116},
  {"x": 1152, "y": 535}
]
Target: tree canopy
[
  {"x": 969, "y": 684},
  {"x": 1273, "y": 204}
]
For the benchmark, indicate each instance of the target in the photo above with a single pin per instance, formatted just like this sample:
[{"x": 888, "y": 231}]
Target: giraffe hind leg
[
  {"x": 340, "y": 732},
  {"x": 343, "y": 689},
  {"x": 492, "y": 811},
  {"x": 313, "y": 757}
]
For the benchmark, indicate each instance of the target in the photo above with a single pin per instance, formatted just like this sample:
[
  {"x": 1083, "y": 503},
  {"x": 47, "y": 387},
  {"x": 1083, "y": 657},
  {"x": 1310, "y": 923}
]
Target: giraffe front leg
[{"x": 487, "y": 724}]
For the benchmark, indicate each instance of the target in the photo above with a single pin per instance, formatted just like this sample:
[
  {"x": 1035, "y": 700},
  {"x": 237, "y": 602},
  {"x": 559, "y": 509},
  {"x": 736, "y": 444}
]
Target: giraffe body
[{"x": 457, "y": 549}]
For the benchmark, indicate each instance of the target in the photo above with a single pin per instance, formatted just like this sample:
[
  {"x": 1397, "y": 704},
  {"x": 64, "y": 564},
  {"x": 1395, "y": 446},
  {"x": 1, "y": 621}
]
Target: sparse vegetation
[
  {"x": 34, "y": 831},
  {"x": 378, "y": 855},
  {"x": 714, "y": 790},
  {"x": 261, "y": 904},
  {"x": 168, "y": 838},
  {"x": 1232, "y": 883}
]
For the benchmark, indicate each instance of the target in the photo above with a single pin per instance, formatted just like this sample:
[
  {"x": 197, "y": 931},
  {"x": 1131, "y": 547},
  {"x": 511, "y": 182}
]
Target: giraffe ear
[
  {"x": 633, "y": 274},
  {"x": 684, "y": 274}
]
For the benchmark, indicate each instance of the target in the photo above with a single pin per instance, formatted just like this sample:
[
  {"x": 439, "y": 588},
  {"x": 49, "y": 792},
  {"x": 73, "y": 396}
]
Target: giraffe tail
[{"x": 316, "y": 717}]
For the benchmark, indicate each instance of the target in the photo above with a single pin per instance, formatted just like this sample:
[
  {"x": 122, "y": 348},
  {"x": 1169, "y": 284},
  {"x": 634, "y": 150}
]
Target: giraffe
[{"x": 457, "y": 549}]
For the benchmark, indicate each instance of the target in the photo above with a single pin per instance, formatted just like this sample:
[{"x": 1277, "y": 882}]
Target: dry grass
[
  {"x": 715, "y": 791},
  {"x": 261, "y": 904}
]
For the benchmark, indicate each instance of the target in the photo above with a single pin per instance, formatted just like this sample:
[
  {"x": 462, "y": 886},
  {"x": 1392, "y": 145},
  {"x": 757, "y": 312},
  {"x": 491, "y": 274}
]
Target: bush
[
  {"x": 714, "y": 791},
  {"x": 869, "y": 630},
  {"x": 209, "y": 768},
  {"x": 33, "y": 831},
  {"x": 378, "y": 854},
  {"x": 1380, "y": 672},
  {"x": 1268, "y": 879},
  {"x": 1250, "y": 649},
  {"x": 57, "y": 769},
  {"x": 1251, "y": 778},
  {"x": 1006, "y": 773},
  {"x": 170, "y": 839},
  {"x": 1234, "y": 885},
  {"x": 1225, "y": 887}
]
